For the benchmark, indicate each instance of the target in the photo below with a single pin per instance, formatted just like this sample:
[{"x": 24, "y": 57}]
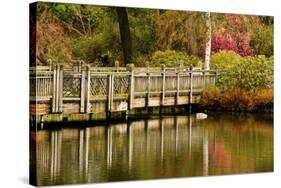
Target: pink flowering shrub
[
  {"x": 223, "y": 42},
  {"x": 238, "y": 42}
]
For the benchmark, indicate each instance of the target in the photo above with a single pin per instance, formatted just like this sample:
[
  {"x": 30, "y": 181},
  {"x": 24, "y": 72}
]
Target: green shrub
[
  {"x": 250, "y": 73},
  {"x": 262, "y": 40},
  {"x": 139, "y": 60},
  {"x": 173, "y": 58},
  {"x": 224, "y": 59},
  {"x": 102, "y": 46}
]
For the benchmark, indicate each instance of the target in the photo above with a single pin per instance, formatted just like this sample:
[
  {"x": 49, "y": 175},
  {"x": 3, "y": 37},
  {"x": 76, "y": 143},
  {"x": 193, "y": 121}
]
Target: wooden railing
[{"x": 109, "y": 89}]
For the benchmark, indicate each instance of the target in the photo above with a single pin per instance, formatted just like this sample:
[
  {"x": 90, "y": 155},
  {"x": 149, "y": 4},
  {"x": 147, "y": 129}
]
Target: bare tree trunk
[
  {"x": 209, "y": 42},
  {"x": 32, "y": 33},
  {"x": 125, "y": 34}
]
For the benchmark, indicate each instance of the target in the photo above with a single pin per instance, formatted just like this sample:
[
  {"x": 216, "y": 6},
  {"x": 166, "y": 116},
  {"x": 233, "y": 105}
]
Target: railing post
[
  {"x": 190, "y": 86},
  {"x": 178, "y": 87},
  {"x": 148, "y": 84},
  {"x": 82, "y": 93},
  {"x": 112, "y": 93},
  {"x": 216, "y": 75},
  {"x": 108, "y": 95},
  {"x": 88, "y": 89},
  {"x": 163, "y": 72},
  {"x": 116, "y": 65},
  {"x": 181, "y": 67},
  {"x": 204, "y": 78},
  {"x": 130, "y": 67},
  {"x": 57, "y": 88},
  {"x": 54, "y": 88},
  {"x": 80, "y": 64},
  {"x": 60, "y": 90}
]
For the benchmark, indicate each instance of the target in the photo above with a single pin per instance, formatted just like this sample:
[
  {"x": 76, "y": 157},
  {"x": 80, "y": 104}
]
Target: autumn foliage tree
[
  {"x": 52, "y": 42},
  {"x": 181, "y": 31},
  {"x": 93, "y": 33}
]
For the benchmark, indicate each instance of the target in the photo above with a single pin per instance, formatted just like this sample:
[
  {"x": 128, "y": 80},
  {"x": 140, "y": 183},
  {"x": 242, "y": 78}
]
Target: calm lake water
[{"x": 161, "y": 147}]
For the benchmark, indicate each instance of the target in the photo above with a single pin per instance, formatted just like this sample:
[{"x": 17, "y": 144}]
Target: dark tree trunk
[
  {"x": 32, "y": 33},
  {"x": 125, "y": 34}
]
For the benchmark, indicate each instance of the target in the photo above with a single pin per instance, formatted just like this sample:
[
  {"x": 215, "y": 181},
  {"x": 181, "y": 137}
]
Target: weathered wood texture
[{"x": 114, "y": 89}]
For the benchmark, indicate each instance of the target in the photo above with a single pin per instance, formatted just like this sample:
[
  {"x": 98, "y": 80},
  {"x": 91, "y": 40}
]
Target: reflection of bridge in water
[
  {"x": 88, "y": 153},
  {"x": 90, "y": 91}
]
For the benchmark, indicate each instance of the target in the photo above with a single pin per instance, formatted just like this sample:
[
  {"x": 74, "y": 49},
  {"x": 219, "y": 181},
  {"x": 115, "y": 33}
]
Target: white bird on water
[{"x": 201, "y": 115}]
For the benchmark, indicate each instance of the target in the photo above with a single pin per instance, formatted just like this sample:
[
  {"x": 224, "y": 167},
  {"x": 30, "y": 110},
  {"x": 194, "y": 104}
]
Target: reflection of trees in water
[
  {"x": 240, "y": 143},
  {"x": 158, "y": 148}
]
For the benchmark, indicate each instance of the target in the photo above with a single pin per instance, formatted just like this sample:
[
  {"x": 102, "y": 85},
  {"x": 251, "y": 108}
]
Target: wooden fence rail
[{"x": 87, "y": 89}]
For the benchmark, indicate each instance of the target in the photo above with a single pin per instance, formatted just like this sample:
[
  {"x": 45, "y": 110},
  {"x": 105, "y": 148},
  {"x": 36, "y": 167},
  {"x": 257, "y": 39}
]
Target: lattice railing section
[
  {"x": 121, "y": 85},
  {"x": 98, "y": 86},
  {"x": 71, "y": 86}
]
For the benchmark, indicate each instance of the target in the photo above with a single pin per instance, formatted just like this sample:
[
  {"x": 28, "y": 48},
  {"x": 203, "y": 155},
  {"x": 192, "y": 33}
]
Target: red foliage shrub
[
  {"x": 243, "y": 44},
  {"x": 238, "y": 42},
  {"x": 223, "y": 42}
]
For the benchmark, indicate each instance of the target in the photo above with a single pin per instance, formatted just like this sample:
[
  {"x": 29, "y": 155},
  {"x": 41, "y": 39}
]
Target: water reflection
[{"x": 157, "y": 148}]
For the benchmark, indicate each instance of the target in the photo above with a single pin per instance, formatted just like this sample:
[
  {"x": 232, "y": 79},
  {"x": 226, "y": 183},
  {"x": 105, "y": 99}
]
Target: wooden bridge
[{"x": 106, "y": 90}]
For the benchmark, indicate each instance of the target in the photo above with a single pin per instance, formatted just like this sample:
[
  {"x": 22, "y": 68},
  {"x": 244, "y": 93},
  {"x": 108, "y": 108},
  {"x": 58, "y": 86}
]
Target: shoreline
[{"x": 82, "y": 123}]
